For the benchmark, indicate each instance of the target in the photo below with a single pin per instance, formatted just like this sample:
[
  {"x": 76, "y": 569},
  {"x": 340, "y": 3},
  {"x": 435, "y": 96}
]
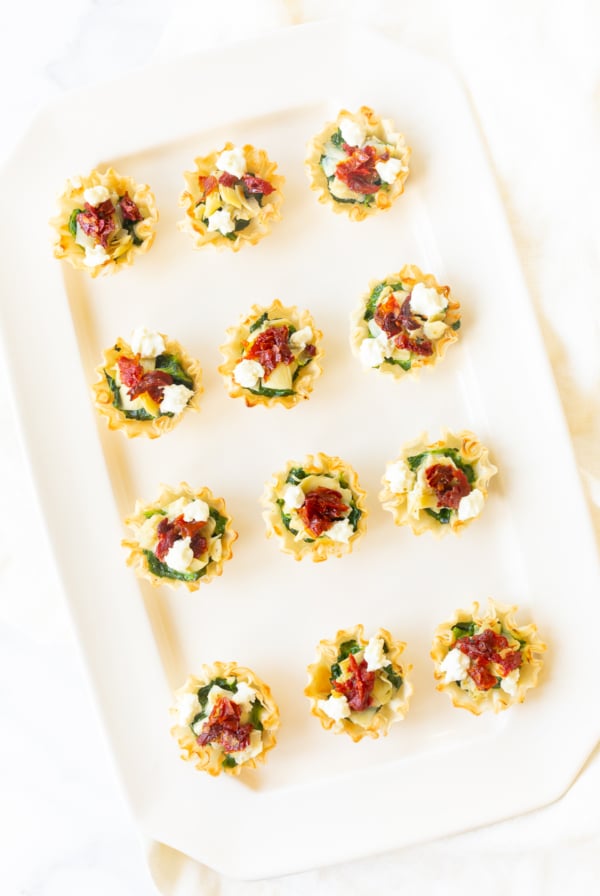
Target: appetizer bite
[
  {"x": 232, "y": 197},
  {"x": 184, "y": 536},
  {"x": 225, "y": 719},
  {"x": 272, "y": 356},
  {"x": 404, "y": 322},
  {"x": 438, "y": 486},
  {"x": 358, "y": 164},
  {"x": 358, "y": 686},
  {"x": 485, "y": 660},
  {"x": 104, "y": 221},
  {"x": 315, "y": 508},
  {"x": 147, "y": 384}
]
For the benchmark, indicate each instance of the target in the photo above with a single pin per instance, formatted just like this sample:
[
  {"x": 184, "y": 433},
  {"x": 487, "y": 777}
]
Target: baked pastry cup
[
  {"x": 315, "y": 508},
  {"x": 359, "y": 686},
  {"x": 184, "y": 537},
  {"x": 225, "y": 719},
  {"x": 358, "y": 164},
  {"x": 162, "y": 378},
  {"x": 404, "y": 322},
  {"x": 232, "y": 197},
  {"x": 272, "y": 356},
  {"x": 438, "y": 486},
  {"x": 104, "y": 221},
  {"x": 484, "y": 660}
]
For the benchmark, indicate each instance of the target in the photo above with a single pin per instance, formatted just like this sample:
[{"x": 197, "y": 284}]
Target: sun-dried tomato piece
[
  {"x": 449, "y": 483},
  {"x": 409, "y": 321},
  {"x": 419, "y": 345},
  {"x": 228, "y": 180},
  {"x": 388, "y": 316},
  {"x": 271, "y": 348},
  {"x": 257, "y": 185},
  {"x": 153, "y": 382},
  {"x": 130, "y": 371},
  {"x": 207, "y": 184},
  {"x": 358, "y": 171},
  {"x": 482, "y": 677},
  {"x": 358, "y": 687},
  {"x": 310, "y": 350},
  {"x": 321, "y": 508},
  {"x": 170, "y": 531},
  {"x": 168, "y": 535},
  {"x": 98, "y": 222},
  {"x": 129, "y": 209},
  {"x": 510, "y": 662},
  {"x": 224, "y": 729}
]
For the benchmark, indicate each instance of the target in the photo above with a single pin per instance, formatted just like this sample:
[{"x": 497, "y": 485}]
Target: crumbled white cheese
[
  {"x": 372, "y": 352},
  {"x": 245, "y": 695},
  {"x": 175, "y": 398},
  {"x": 352, "y": 133},
  {"x": 180, "y": 555},
  {"x": 293, "y": 498},
  {"x": 340, "y": 531},
  {"x": 335, "y": 707},
  {"x": 248, "y": 373},
  {"x": 254, "y": 747},
  {"x": 187, "y": 707},
  {"x": 434, "y": 329},
  {"x": 196, "y": 511},
  {"x": 471, "y": 505},
  {"x": 222, "y": 221},
  {"x": 96, "y": 195},
  {"x": 375, "y": 330},
  {"x": 146, "y": 343},
  {"x": 375, "y": 655},
  {"x": 389, "y": 171},
  {"x": 455, "y": 665},
  {"x": 301, "y": 338},
  {"x": 95, "y": 255},
  {"x": 426, "y": 301},
  {"x": 509, "y": 683},
  {"x": 233, "y": 161},
  {"x": 399, "y": 477}
]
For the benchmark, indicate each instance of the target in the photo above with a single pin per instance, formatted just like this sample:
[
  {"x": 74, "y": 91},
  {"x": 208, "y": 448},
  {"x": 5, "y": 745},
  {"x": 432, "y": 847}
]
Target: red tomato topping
[
  {"x": 257, "y": 185},
  {"x": 228, "y": 180},
  {"x": 98, "y": 222},
  {"x": 310, "y": 350},
  {"x": 224, "y": 729},
  {"x": 153, "y": 382},
  {"x": 130, "y": 371},
  {"x": 321, "y": 508},
  {"x": 170, "y": 531},
  {"x": 207, "y": 184},
  {"x": 358, "y": 687},
  {"x": 398, "y": 321},
  {"x": 271, "y": 348},
  {"x": 449, "y": 483},
  {"x": 129, "y": 209},
  {"x": 420, "y": 345},
  {"x": 483, "y": 649},
  {"x": 358, "y": 170}
]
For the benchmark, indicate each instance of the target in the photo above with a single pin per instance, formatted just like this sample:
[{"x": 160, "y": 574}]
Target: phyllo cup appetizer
[
  {"x": 147, "y": 384},
  {"x": 438, "y": 486},
  {"x": 358, "y": 164},
  {"x": 185, "y": 536},
  {"x": 404, "y": 322},
  {"x": 232, "y": 197},
  {"x": 104, "y": 221},
  {"x": 272, "y": 356},
  {"x": 225, "y": 719},
  {"x": 358, "y": 686},
  {"x": 484, "y": 660},
  {"x": 315, "y": 508}
]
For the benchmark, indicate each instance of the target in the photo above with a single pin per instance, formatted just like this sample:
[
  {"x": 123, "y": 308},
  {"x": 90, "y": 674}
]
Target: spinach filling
[
  {"x": 226, "y": 685},
  {"x": 416, "y": 460},
  {"x": 370, "y": 314},
  {"x": 348, "y": 647},
  {"x": 294, "y": 477},
  {"x": 463, "y": 630},
  {"x": 337, "y": 140},
  {"x": 158, "y": 568},
  {"x": 240, "y": 224},
  {"x": 139, "y": 414},
  {"x": 443, "y": 516},
  {"x": 73, "y": 221},
  {"x": 167, "y": 362}
]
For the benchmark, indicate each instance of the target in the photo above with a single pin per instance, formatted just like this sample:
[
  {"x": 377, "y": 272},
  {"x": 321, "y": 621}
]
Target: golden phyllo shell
[
  {"x": 284, "y": 502},
  {"x": 414, "y": 501},
  {"x": 474, "y": 690},
  {"x": 226, "y": 208},
  {"x": 289, "y": 383},
  {"x": 108, "y": 391},
  {"x": 432, "y": 328},
  {"x": 190, "y": 507},
  {"x": 376, "y": 662},
  {"x": 93, "y": 239},
  {"x": 365, "y": 132},
  {"x": 198, "y": 701}
]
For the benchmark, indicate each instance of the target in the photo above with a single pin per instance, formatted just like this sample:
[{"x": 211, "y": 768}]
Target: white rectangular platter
[{"x": 441, "y": 770}]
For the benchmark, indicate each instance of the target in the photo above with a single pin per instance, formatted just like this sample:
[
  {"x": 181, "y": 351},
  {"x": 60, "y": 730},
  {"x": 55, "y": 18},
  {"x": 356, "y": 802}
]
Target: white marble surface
[{"x": 533, "y": 73}]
